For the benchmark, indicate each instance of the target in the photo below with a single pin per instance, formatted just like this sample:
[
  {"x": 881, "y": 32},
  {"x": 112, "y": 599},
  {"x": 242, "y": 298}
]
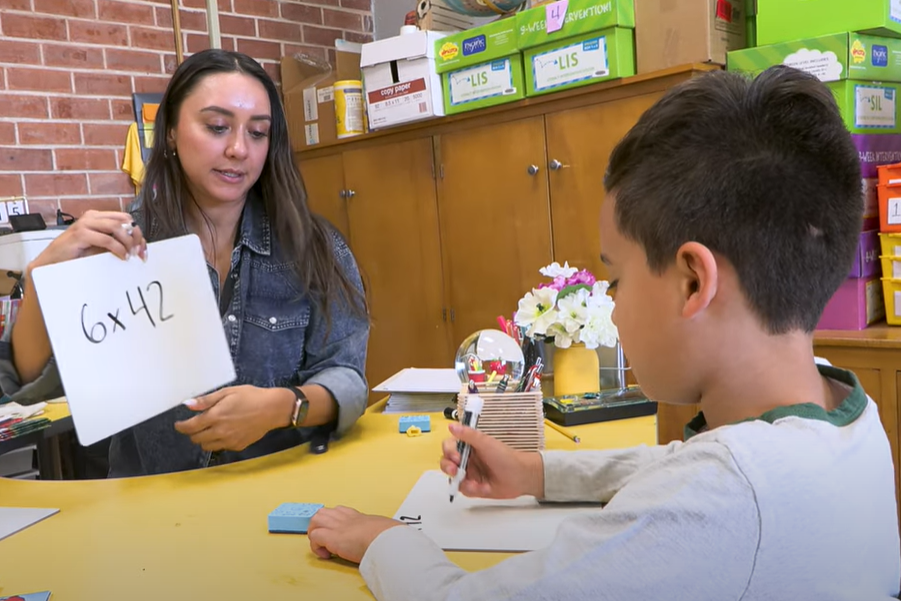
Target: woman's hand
[
  {"x": 494, "y": 470},
  {"x": 234, "y": 418},
  {"x": 345, "y": 532},
  {"x": 93, "y": 233}
]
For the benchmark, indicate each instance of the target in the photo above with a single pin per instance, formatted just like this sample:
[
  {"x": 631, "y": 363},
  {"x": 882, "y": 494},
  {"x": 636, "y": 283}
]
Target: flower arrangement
[{"x": 573, "y": 308}]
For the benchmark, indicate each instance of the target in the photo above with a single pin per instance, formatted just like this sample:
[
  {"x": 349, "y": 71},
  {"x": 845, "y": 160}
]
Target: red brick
[
  {"x": 320, "y": 36},
  {"x": 195, "y": 42},
  {"x": 133, "y": 60},
  {"x": 125, "y": 12},
  {"x": 49, "y": 133},
  {"x": 237, "y": 25},
  {"x": 79, "y": 206},
  {"x": 154, "y": 39},
  {"x": 42, "y": 80},
  {"x": 29, "y": 107},
  {"x": 225, "y": 6},
  {"x": 228, "y": 43},
  {"x": 302, "y": 13},
  {"x": 33, "y": 28},
  {"x": 82, "y": 109},
  {"x": 17, "y": 4},
  {"x": 123, "y": 110},
  {"x": 7, "y": 133},
  {"x": 356, "y": 36},
  {"x": 259, "y": 49},
  {"x": 19, "y": 52},
  {"x": 163, "y": 16},
  {"x": 102, "y": 84},
  {"x": 25, "y": 159},
  {"x": 358, "y": 4},
  {"x": 262, "y": 8},
  {"x": 324, "y": 2},
  {"x": 11, "y": 185},
  {"x": 279, "y": 30},
  {"x": 274, "y": 72},
  {"x": 104, "y": 134},
  {"x": 108, "y": 34},
  {"x": 47, "y": 208},
  {"x": 342, "y": 19},
  {"x": 70, "y": 8},
  {"x": 192, "y": 21},
  {"x": 150, "y": 84},
  {"x": 117, "y": 182},
  {"x": 59, "y": 55},
  {"x": 55, "y": 184},
  {"x": 85, "y": 159},
  {"x": 315, "y": 51}
]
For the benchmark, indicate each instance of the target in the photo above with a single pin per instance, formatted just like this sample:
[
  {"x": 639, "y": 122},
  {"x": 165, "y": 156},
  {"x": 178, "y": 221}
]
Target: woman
[{"x": 289, "y": 290}]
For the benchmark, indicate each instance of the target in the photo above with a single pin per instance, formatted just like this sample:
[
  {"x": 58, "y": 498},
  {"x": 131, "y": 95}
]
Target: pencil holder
[{"x": 515, "y": 418}]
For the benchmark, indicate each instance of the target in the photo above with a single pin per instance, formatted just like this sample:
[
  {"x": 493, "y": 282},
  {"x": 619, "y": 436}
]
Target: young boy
[{"x": 732, "y": 212}]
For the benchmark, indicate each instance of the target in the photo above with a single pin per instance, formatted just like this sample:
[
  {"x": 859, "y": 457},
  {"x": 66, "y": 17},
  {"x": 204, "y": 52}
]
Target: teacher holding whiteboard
[{"x": 289, "y": 290}]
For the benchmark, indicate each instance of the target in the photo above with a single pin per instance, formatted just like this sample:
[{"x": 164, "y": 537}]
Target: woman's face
[{"x": 222, "y": 137}]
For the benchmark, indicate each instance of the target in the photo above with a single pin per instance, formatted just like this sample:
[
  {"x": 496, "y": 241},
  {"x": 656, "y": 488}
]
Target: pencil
[{"x": 562, "y": 431}]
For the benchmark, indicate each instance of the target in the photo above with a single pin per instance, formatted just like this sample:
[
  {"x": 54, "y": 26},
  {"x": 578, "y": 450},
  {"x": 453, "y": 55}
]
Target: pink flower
[{"x": 581, "y": 277}]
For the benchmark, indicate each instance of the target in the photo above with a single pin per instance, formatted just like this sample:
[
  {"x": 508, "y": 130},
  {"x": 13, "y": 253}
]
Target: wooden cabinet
[
  {"x": 451, "y": 219},
  {"x": 495, "y": 222}
]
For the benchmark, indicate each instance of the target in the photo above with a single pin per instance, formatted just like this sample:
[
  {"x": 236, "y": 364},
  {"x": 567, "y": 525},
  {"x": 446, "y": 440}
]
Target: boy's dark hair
[{"x": 763, "y": 172}]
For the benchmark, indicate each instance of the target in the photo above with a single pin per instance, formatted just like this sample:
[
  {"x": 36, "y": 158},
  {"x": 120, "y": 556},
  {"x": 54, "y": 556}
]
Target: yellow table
[{"x": 203, "y": 534}]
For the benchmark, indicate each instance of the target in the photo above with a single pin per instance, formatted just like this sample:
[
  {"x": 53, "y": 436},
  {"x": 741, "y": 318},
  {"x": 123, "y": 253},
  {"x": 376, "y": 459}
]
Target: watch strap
[{"x": 301, "y": 406}]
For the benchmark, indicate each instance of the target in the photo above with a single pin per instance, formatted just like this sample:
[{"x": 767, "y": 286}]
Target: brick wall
[{"x": 68, "y": 69}]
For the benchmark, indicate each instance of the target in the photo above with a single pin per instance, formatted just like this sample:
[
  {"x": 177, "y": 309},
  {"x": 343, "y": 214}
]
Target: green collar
[{"x": 841, "y": 416}]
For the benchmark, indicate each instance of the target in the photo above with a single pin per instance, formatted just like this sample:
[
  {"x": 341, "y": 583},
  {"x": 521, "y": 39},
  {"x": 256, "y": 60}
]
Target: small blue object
[
  {"x": 293, "y": 518},
  {"x": 423, "y": 422}
]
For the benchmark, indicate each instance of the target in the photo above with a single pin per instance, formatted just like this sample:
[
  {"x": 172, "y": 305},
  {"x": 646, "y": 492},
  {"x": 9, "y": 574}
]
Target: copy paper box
[
  {"x": 578, "y": 61},
  {"x": 399, "y": 79},
  {"x": 868, "y": 108},
  {"x": 785, "y": 20},
  {"x": 831, "y": 58},
  {"x": 309, "y": 95},
  {"x": 671, "y": 33},
  {"x": 480, "y": 67}
]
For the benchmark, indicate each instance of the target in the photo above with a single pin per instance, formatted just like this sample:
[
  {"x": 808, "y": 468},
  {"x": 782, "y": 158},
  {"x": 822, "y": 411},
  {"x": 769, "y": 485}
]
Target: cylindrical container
[{"x": 349, "y": 107}]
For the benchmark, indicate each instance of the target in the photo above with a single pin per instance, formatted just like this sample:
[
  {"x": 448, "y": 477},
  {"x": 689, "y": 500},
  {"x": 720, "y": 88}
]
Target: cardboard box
[
  {"x": 868, "y": 108},
  {"x": 866, "y": 259},
  {"x": 480, "y": 67},
  {"x": 671, "y": 33},
  {"x": 399, "y": 79},
  {"x": 784, "y": 20},
  {"x": 309, "y": 96},
  {"x": 856, "y": 304},
  {"x": 831, "y": 58}
]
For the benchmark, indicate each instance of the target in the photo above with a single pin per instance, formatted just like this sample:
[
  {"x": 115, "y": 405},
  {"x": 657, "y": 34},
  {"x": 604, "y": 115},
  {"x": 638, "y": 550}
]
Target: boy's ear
[{"x": 698, "y": 277}]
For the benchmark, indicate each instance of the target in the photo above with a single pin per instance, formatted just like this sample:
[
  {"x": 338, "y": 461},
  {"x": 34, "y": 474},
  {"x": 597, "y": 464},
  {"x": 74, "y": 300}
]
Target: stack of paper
[
  {"x": 415, "y": 390},
  {"x": 18, "y": 420}
]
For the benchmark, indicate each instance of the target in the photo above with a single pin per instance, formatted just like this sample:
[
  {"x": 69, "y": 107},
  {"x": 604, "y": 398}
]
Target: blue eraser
[
  {"x": 423, "y": 422},
  {"x": 293, "y": 518}
]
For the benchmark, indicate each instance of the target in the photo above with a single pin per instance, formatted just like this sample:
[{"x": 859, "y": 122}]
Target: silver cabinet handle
[
  {"x": 556, "y": 165},
  {"x": 533, "y": 169},
  {"x": 347, "y": 193}
]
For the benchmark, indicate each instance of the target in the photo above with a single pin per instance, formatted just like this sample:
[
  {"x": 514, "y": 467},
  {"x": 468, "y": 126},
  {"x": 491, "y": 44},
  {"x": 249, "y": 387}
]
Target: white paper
[
  {"x": 894, "y": 211},
  {"x": 875, "y": 107},
  {"x": 895, "y": 11},
  {"x": 576, "y": 62},
  {"x": 482, "y": 524},
  {"x": 310, "y": 106},
  {"x": 133, "y": 339},
  {"x": 414, "y": 379},
  {"x": 482, "y": 81},
  {"x": 15, "y": 519}
]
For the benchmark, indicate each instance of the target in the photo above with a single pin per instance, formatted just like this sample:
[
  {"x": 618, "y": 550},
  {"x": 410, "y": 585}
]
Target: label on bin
[
  {"x": 894, "y": 211},
  {"x": 895, "y": 10},
  {"x": 480, "y": 82},
  {"x": 576, "y": 62},
  {"x": 875, "y": 107}
]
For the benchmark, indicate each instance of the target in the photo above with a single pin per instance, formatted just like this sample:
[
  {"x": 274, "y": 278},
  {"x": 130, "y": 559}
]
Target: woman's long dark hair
[{"x": 305, "y": 238}]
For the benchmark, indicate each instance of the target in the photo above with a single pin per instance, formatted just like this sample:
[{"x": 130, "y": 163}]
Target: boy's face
[{"x": 648, "y": 315}]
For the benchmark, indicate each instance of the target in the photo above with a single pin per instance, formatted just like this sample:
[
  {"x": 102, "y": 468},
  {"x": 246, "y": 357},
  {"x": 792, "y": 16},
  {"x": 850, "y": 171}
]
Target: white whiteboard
[
  {"x": 133, "y": 339},
  {"x": 482, "y": 524},
  {"x": 15, "y": 519}
]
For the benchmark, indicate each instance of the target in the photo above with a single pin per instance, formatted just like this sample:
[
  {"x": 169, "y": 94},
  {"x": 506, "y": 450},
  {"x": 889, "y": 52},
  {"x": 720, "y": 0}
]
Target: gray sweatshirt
[{"x": 798, "y": 504}]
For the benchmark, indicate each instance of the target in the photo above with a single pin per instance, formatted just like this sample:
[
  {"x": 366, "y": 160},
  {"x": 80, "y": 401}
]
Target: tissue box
[
  {"x": 293, "y": 517},
  {"x": 784, "y": 20},
  {"x": 480, "y": 67},
  {"x": 856, "y": 304},
  {"x": 423, "y": 422}
]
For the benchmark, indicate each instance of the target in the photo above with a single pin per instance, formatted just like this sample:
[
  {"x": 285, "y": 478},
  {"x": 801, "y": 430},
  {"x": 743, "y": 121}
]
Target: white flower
[
  {"x": 573, "y": 311},
  {"x": 536, "y": 311},
  {"x": 599, "y": 329},
  {"x": 562, "y": 338},
  {"x": 554, "y": 270}
]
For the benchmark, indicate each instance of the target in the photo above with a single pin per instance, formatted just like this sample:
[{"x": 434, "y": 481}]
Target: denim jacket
[{"x": 276, "y": 337}]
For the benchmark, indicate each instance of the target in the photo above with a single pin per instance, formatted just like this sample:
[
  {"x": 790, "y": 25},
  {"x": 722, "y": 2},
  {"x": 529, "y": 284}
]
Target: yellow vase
[{"x": 576, "y": 370}]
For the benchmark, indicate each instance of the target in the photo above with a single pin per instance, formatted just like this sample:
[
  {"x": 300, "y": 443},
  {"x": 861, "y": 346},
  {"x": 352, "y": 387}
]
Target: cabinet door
[
  {"x": 495, "y": 220},
  {"x": 393, "y": 219},
  {"x": 579, "y": 143},
  {"x": 323, "y": 178}
]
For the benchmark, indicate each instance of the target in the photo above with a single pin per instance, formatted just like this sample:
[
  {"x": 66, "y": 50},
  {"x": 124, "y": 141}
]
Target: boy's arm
[
  {"x": 596, "y": 475},
  {"x": 690, "y": 522}
]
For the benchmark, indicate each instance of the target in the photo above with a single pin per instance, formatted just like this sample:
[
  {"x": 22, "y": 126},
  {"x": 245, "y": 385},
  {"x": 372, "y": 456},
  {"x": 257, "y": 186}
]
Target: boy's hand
[
  {"x": 494, "y": 471},
  {"x": 345, "y": 532}
]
